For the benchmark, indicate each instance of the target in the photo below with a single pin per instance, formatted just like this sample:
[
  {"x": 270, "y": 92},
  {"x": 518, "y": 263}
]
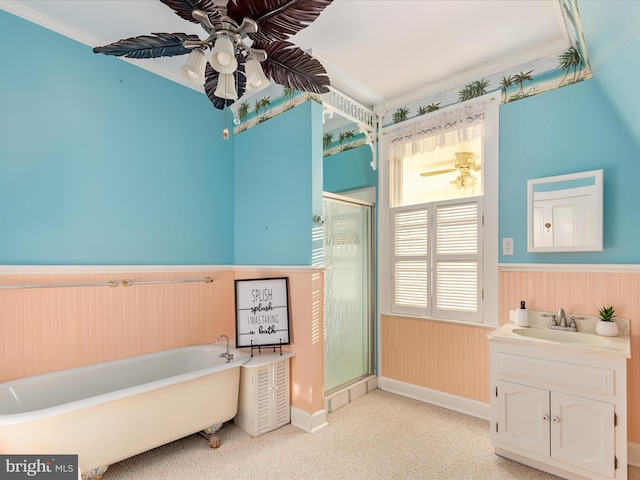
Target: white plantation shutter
[
  {"x": 436, "y": 261},
  {"x": 457, "y": 259},
  {"x": 410, "y": 260}
]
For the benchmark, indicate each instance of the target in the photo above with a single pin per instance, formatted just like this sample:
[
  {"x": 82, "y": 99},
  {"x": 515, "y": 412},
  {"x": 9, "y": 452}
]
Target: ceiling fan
[
  {"x": 465, "y": 164},
  {"x": 248, "y": 43}
]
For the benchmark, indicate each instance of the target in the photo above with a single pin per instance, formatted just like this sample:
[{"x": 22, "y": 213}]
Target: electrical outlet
[{"x": 507, "y": 246}]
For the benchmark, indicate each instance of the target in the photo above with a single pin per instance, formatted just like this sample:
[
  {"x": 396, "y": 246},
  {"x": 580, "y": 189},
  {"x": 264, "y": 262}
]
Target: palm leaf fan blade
[
  {"x": 290, "y": 66},
  {"x": 184, "y": 8},
  {"x": 149, "y": 46},
  {"x": 277, "y": 19}
]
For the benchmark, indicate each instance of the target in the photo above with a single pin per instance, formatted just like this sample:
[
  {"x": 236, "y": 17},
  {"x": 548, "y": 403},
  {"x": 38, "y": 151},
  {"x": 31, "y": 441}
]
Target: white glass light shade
[
  {"x": 223, "y": 59},
  {"x": 226, "y": 87},
  {"x": 256, "y": 79},
  {"x": 193, "y": 68},
  {"x": 465, "y": 180}
]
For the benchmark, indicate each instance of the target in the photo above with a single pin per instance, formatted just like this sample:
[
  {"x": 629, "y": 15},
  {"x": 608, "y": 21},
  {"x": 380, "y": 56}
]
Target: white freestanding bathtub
[{"x": 110, "y": 411}]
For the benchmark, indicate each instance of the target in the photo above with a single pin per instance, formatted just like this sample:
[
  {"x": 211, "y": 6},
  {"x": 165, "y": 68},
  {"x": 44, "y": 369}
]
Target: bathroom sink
[
  {"x": 562, "y": 336},
  {"x": 585, "y": 340}
]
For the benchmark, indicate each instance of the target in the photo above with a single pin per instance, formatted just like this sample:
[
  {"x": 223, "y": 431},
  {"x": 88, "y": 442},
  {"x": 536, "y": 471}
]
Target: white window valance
[{"x": 442, "y": 128}]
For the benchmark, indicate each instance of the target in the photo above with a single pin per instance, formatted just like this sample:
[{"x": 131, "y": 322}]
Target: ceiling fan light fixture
[
  {"x": 268, "y": 24},
  {"x": 193, "y": 68},
  {"x": 226, "y": 87},
  {"x": 223, "y": 59},
  {"x": 464, "y": 158},
  {"x": 464, "y": 180},
  {"x": 247, "y": 26},
  {"x": 256, "y": 79},
  {"x": 258, "y": 53}
]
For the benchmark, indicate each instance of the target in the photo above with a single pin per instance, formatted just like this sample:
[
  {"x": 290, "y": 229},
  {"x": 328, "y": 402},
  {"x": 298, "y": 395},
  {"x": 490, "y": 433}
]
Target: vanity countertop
[{"x": 584, "y": 340}]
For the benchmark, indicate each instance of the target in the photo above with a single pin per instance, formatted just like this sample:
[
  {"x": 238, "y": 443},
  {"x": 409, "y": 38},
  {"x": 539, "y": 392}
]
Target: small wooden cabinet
[
  {"x": 559, "y": 409},
  {"x": 264, "y": 401}
]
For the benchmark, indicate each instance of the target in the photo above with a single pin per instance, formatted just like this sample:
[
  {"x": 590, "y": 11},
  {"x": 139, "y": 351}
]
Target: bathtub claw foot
[
  {"x": 95, "y": 474},
  {"x": 214, "y": 441},
  {"x": 211, "y": 434}
]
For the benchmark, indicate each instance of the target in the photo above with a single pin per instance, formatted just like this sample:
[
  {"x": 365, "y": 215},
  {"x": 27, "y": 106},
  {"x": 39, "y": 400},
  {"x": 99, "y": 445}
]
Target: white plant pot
[{"x": 607, "y": 329}]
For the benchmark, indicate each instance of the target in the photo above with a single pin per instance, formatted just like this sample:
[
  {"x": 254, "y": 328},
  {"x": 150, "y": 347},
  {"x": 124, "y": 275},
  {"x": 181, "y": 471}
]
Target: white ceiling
[{"x": 386, "y": 52}]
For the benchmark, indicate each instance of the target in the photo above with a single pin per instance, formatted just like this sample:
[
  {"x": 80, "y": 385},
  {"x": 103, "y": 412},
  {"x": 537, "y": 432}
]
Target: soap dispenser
[{"x": 522, "y": 316}]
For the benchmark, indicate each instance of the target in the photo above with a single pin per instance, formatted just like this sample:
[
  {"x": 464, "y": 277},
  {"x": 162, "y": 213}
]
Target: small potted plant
[{"x": 607, "y": 326}]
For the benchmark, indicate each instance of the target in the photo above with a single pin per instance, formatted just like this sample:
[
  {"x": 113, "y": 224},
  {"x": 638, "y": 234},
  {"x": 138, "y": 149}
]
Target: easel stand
[{"x": 259, "y": 347}]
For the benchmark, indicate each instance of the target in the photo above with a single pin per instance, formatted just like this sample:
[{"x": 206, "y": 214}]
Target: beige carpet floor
[{"x": 378, "y": 436}]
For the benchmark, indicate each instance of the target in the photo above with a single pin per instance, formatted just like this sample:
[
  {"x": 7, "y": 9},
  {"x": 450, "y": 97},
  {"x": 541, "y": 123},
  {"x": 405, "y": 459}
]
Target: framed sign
[{"x": 262, "y": 312}]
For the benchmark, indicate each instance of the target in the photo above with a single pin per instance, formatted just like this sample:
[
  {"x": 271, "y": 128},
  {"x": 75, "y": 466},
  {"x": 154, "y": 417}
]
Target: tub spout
[{"x": 227, "y": 354}]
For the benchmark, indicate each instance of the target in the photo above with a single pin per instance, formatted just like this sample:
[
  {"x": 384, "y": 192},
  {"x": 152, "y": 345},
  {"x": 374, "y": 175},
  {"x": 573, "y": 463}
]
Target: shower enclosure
[{"x": 349, "y": 301}]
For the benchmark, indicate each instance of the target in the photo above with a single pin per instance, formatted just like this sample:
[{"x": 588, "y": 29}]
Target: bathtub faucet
[{"x": 227, "y": 354}]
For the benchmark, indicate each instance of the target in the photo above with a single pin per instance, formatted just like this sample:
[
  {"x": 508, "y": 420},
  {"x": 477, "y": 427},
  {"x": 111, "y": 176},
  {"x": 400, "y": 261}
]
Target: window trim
[{"x": 490, "y": 231}]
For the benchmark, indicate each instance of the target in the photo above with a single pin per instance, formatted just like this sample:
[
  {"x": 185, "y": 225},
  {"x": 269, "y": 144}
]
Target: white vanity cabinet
[
  {"x": 263, "y": 403},
  {"x": 559, "y": 409}
]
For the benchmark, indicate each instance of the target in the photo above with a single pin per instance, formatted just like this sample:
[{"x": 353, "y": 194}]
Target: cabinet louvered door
[
  {"x": 281, "y": 393},
  {"x": 264, "y": 397}
]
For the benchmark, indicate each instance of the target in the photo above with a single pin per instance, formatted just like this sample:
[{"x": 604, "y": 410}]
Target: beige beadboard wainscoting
[
  {"x": 306, "y": 312},
  {"x": 583, "y": 289},
  {"x": 53, "y": 328},
  {"x": 443, "y": 363}
]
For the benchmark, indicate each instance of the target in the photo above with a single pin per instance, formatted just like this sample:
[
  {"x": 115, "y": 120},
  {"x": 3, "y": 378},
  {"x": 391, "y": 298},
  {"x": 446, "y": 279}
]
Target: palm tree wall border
[
  {"x": 549, "y": 73},
  {"x": 255, "y": 111},
  {"x": 572, "y": 68}
]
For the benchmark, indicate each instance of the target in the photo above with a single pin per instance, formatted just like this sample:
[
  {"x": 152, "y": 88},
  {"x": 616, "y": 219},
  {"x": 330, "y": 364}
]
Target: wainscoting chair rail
[
  {"x": 111, "y": 283},
  {"x": 129, "y": 283}
]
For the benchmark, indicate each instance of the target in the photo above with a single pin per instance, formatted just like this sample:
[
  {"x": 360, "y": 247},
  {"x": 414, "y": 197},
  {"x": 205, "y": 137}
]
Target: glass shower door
[{"x": 349, "y": 321}]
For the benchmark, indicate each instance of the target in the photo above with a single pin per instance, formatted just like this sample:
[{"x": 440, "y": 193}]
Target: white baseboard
[
  {"x": 309, "y": 422},
  {"x": 633, "y": 454},
  {"x": 446, "y": 400}
]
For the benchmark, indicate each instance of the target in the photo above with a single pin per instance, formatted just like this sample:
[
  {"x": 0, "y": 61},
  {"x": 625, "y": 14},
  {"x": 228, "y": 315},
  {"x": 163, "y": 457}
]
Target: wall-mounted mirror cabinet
[{"x": 564, "y": 213}]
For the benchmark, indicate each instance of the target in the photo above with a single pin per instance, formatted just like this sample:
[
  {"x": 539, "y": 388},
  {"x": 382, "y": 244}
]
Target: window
[
  {"x": 436, "y": 261},
  {"x": 442, "y": 256}
]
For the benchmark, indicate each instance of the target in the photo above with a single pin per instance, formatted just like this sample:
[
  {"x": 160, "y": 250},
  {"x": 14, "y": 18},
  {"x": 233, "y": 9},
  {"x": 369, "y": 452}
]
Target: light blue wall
[
  {"x": 574, "y": 128},
  {"x": 278, "y": 188},
  {"x": 349, "y": 170},
  {"x": 105, "y": 163},
  {"x": 613, "y": 43}
]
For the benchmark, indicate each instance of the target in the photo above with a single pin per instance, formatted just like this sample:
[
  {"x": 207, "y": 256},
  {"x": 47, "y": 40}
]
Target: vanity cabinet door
[
  {"x": 583, "y": 433},
  {"x": 523, "y": 420}
]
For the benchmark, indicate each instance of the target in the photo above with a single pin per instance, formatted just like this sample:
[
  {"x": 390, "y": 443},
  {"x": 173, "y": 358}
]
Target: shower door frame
[{"x": 372, "y": 278}]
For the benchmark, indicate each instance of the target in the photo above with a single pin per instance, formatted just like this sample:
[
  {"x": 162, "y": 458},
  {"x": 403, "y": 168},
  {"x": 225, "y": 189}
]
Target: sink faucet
[
  {"x": 559, "y": 321},
  {"x": 227, "y": 354}
]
